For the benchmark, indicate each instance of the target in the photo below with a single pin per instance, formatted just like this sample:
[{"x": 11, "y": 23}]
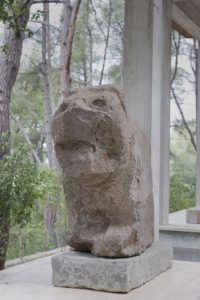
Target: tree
[
  {"x": 15, "y": 15},
  {"x": 18, "y": 180},
  {"x": 176, "y": 82},
  {"x": 183, "y": 173},
  {"x": 69, "y": 20},
  {"x": 83, "y": 63}
]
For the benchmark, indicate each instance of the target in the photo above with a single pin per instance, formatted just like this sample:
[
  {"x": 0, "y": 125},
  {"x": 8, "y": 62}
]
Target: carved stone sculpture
[{"x": 106, "y": 166}]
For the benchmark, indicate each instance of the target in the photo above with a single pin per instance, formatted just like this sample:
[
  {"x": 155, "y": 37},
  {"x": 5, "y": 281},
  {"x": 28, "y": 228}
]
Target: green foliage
[
  {"x": 50, "y": 192},
  {"x": 4, "y": 48},
  {"x": 18, "y": 179},
  {"x": 34, "y": 239},
  {"x": 10, "y": 11},
  {"x": 49, "y": 186},
  {"x": 114, "y": 74},
  {"x": 12, "y": 14},
  {"x": 33, "y": 234},
  {"x": 89, "y": 43},
  {"x": 37, "y": 15},
  {"x": 27, "y": 104},
  {"x": 183, "y": 172},
  {"x": 182, "y": 185}
]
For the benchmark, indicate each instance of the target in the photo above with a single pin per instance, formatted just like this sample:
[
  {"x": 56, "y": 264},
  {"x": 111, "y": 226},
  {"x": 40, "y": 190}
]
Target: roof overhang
[{"x": 186, "y": 17}]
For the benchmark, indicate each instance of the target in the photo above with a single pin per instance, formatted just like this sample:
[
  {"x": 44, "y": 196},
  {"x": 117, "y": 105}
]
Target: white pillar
[
  {"x": 138, "y": 47},
  {"x": 198, "y": 124},
  {"x": 147, "y": 55},
  {"x": 161, "y": 109}
]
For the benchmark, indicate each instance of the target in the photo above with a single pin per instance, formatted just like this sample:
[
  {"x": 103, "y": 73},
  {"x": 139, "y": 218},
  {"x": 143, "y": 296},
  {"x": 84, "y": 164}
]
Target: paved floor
[
  {"x": 177, "y": 222},
  {"x": 178, "y": 217},
  {"x": 33, "y": 281}
]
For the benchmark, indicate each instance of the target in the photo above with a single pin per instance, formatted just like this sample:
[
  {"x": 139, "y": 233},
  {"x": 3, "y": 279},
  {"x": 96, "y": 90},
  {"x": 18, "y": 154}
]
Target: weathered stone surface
[
  {"x": 193, "y": 215},
  {"x": 83, "y": 270},
  {"x": 105, "y": 161}
]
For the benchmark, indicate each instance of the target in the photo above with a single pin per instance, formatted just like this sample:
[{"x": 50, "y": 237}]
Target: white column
[
  {"x": 138, "y": 47},
  {"x": 198, "y": 124},
  {"x": 147, "y": 63},
  {"x": 160, "y": 135}
]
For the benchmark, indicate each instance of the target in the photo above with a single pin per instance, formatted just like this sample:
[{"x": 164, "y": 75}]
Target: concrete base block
[
  {"x": 193, "y": 215},
  {"x": 76, "y": 269}
]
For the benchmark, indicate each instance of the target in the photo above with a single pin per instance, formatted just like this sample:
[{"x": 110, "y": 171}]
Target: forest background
[{"x": 69, "y": 45}]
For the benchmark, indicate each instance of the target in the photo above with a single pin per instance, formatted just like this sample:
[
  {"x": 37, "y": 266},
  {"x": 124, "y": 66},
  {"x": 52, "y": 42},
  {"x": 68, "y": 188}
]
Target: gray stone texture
[
  {"x": 83, "y": 270},
  {"x": 193, "y": 215},
  {"x": 106, "y": 166}
]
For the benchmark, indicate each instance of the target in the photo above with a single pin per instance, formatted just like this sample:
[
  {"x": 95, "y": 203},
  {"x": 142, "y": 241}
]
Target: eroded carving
[{"x": 105, "y": 161}]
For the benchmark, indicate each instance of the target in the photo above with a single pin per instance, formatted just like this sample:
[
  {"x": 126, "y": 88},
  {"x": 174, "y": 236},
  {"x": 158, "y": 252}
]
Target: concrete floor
[
  {"x": 178, "y": 217},
  {"x": 177, "y": 221},
  {"x": 33, "y": 281}
]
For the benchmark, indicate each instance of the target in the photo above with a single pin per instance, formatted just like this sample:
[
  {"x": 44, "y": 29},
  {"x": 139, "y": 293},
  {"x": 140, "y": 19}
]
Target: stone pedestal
[
  {"x": 76, "y": 269},
  {"x": 193, "y": 215}
]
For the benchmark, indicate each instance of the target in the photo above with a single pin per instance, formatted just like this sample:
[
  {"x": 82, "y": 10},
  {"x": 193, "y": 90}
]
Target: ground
[{"x": 33, "y": 281}]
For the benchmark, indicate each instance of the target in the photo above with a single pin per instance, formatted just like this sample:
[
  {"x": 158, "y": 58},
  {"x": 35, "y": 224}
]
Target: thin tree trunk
[
  {"x": 184, "y": 120},
  {"x": 67, "y": 11},
  {"x": 47, "y": 82},
  {"x": 50, "y": 209},
  {"x": 89, "y": 30},
  {"x": 106, "y": 41},
  {"x": 9, "y": 66},
  {"x": 27, "y": 139},
  {"x": 50, "y": 218},
  {"x": 4, "y": 238},
  {"x": 69, "y": 21},
  {"x": 177, "y": 48},
  {"x": 21, "y": 245}
]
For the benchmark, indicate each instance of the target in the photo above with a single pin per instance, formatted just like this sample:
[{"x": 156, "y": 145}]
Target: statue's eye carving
[{"x": 99, "y": 102}]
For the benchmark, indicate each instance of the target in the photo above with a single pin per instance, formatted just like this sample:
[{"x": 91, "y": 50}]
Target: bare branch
[
  {"x": 107, "y": 40},
  {"x": 66, "y": 49},
  {"x": 47, "y": 24},
  {"x": 193, "y": 50},
  {"x": 177, "y": 47},
  {"x": 118, "y": 22},
  {"x": 49, "y": 1},
  {"x": 35, "y": 65},
  {"x": 184, "y": 120},
  {"x": 97, "y": 20},
  {"x": 27, "y": 139}
]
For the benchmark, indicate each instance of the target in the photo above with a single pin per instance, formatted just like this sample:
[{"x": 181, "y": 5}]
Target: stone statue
[{"x": 106, "y": 166}]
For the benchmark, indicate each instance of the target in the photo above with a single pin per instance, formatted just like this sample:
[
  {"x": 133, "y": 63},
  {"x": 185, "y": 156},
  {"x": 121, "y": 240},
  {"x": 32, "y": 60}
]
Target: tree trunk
[
  {"x": 9, "y": 66},
  {"x": 106, "y": 41},
  {"x": 4, "y": 238},
  {"x": 185, "y": 124},
  {"x": 28, "y": 141},
  {"x": 65, "y": 84},
  {"x": 50, "y": 209},
  {"x": 47, "y": 82},
  {"x": 50, "y": 218},
  {"x": 69, "y": 20},
  {"x": 89, "y": 30}
]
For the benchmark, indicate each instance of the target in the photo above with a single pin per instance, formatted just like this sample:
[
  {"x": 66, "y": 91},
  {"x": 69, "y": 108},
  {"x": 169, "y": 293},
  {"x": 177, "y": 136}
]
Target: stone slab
[
  {"x": 83, "y": 270},
  {"x": 193, "y": 215}
]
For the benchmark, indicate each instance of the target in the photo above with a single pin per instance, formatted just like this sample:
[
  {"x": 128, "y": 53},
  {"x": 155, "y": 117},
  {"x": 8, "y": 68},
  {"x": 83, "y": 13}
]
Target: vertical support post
[
  {"x": 160, "y": 137},
  {"x": 156, "y": 111},
  {"x": 198, "y": 122},
  {"x": 147, "y": 62},
  {"x": 138, "y": 47}
]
